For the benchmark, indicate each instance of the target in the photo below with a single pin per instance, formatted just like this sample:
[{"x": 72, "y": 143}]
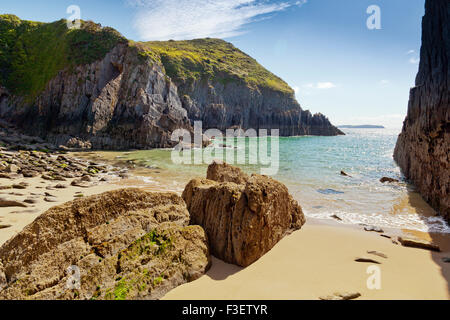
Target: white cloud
[
  {"x": 188, "y": 19},
  {"x": 414, "y": 60},
  {"x": 384, "y": 82},
  {"x": 320, "y": 85},
  {"x": 325, "y": 85},
  {"x": 301, "y": 2},
  {"x": 411, "y": 51}
]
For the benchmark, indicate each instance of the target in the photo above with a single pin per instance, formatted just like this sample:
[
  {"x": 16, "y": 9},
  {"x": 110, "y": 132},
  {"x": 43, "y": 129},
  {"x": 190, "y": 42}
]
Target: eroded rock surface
[
  {"x": 423, "y": 147},
  {"x": 127, "y": 244},
  {"x": 243, "y": 220}
]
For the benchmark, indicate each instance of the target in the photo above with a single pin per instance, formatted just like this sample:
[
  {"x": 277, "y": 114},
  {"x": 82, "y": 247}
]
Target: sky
[{"x": 323, "y": 49}]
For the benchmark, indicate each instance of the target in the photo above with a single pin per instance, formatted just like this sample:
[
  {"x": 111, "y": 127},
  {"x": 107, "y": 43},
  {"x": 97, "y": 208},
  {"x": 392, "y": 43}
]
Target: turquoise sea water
[{"x": 311, "y": 166}]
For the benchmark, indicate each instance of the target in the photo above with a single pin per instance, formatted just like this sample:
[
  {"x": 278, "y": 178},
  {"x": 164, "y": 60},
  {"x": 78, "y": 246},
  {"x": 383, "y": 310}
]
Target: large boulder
[
  {"x": 126, "y": 244},
  {"x": 243, "y": 220}
]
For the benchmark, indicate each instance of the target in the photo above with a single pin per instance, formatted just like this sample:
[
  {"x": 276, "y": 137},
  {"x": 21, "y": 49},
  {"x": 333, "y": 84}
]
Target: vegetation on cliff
[
  {"x": 213, "y": 59},
  {"x": 32, "y": 53}
]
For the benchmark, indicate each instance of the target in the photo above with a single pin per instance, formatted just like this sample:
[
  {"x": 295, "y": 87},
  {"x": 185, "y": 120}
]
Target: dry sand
[{"x": 19, "y": 217}]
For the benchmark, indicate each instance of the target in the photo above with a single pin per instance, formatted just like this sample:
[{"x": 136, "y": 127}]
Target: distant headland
[{"x": 364, "y": 126}]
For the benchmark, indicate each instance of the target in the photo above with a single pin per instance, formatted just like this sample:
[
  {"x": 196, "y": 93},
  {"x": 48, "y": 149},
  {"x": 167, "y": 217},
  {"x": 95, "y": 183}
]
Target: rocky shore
[{"x": 126, "y": 243}]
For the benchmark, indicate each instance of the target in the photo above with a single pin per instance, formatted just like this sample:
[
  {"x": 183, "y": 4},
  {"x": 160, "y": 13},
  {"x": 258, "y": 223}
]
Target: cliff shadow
[{"x": 427, "y": 213}]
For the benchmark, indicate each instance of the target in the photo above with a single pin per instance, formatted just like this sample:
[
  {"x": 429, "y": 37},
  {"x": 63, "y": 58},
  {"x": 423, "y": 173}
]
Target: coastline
[{"x": 314, "y": 262}]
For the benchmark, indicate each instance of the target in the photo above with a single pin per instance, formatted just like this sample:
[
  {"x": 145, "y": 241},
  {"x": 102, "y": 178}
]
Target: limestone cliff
[
  {"x": 423, "y": 147},
  {"x": 92, "y": 88}
]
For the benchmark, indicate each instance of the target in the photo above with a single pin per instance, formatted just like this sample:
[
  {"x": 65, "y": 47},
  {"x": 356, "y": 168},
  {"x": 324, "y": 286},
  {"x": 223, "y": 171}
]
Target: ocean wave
[{"x": 401, "y": 221}]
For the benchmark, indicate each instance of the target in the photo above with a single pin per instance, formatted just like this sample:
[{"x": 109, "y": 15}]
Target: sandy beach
[
  {"x": 19, "y": 217},
  {"x": 317, "y": 261}
]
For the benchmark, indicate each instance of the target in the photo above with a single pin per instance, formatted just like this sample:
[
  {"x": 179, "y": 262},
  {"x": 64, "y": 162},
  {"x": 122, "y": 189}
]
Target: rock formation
[
  {"x": 423, "y": 147},
  {"x": 243, "y": 220},
  {"x": 126, "y": 244},
  {"x": 95, "y": 89}
]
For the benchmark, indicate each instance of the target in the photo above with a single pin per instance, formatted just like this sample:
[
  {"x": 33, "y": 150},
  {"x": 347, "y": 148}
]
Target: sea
[{"x": 310, "y": 167}]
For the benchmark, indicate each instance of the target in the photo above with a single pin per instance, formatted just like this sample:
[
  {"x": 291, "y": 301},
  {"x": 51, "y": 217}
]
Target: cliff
[
  {"x": 423, "y": 147},
  {"x": 93, "y": 88}
]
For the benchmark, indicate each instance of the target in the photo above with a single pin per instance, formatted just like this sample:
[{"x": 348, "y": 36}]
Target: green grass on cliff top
[
  {"x": 212, "y": 58},
  {"x": 32, "y": 53}
]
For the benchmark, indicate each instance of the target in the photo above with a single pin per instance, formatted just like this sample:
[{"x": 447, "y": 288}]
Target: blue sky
[{"x": 322, "y": 48}]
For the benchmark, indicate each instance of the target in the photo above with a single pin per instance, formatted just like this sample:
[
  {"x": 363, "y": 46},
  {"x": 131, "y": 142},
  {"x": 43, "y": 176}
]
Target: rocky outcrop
[
  {"x": 123, "y": 101},
  {"x": 126, "y": 244},
  {"x": 243, "y": 220},
  {"x": 238, "y": 106},
  {"x": 423, "y": 147}
]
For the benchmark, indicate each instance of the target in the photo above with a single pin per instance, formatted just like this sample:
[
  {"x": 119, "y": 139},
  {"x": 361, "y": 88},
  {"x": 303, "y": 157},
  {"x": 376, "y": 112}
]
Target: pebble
[
  {"x": 418, "y": 243},
  {"x": 342, "y": 296},
  {"x": 373, "y": 229},
  {"x": 367, "y": 260}
]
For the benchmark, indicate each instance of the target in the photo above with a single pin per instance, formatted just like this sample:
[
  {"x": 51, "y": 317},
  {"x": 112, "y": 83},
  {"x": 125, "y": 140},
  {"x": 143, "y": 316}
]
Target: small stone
[
  {"x": 31, "y": 201},
  {"x": 5, "y": 226},
  {"x": 47, "y": 177},
  {"x": 386, "y": 236},
  {"x": 79, "y": 183},
  {"x": 9, "y": 203},
  {"x": 61, "y": 186},
  {"x": 373, "y": 229},
  {"x": 336, "y": 217},
  {"x": 366, "y": 260},
  {"x": 29, "y": 173},
  {"x": 86, "y": 178},
  {"x": 20, "y": 186},
  {"x": 59, "y": 178},
  {"x": 379, "y": 254},
  {"x": 349, "y": 295},
  {"x": 418, "y": 243},
  {"x": 12, "y": 168},
  {"x": 342, "y": 296},
  {"x": 124, "y": 175},
  {"x": 446, "y": 260},
  {"x": 389, "y": 180},
  {"x": 344, "y": 174},
  {"x": 50, "y": 199}
]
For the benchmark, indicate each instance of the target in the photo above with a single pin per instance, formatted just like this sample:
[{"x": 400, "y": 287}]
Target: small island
[{"x": 364, "y": 126}]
